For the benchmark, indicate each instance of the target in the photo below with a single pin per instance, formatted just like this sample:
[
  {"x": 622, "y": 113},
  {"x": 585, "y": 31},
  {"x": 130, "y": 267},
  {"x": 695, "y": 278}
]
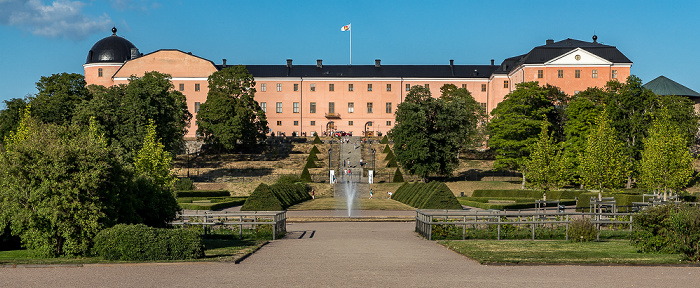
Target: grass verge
[
  {"x": 339, "y": 203},
  {"x": 558, "y": 252}
]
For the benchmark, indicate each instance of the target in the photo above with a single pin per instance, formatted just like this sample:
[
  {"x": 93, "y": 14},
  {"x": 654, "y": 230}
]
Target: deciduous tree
[
  {"x": 603, "y": 164},
  {"x": 545, "y": 168}
]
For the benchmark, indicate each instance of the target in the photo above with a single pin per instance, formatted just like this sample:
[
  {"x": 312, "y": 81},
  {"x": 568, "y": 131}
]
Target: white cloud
[
  {"x": 136, "y": 5},
  {"x": 60, "y": 19}
]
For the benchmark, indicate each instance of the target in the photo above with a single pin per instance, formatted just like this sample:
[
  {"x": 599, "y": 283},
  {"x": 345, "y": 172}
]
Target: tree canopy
[
  {"x": 546, "y": 168},
  {"x": 59, "y": 95},
  {"x": 603, "y": 164}
]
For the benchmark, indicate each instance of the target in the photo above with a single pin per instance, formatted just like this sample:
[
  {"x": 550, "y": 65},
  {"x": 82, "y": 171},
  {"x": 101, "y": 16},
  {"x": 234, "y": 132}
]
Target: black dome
[{"x": 112, "y": 49}]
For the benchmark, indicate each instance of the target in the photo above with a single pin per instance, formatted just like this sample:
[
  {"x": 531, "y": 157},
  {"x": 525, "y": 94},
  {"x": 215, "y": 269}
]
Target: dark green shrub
[
  {"x": 389, "y": 156},
  {"x": 317, "y": 140},
  {"x": 183, "y": 184},
  {"x": 386, "y": 149},
  {"x": 310, "y": 163},
  {"x": 385, "y": 140},
  {"x": 142, "y": 243},
  {"x": 433, "y": 195},
  {"x": 398, "y": 177},
  {"x": 203, "y": 193},
  {"x": 582, "y": 230},
  {"x": 314, "y": 150},
  {"x": 288, "y": 179},
  {"x": 262, "y": 199},
  {"x": 392, "y": 163},
  {"x": 305, "y": 175},
  {"x": 668, "y": 228}
]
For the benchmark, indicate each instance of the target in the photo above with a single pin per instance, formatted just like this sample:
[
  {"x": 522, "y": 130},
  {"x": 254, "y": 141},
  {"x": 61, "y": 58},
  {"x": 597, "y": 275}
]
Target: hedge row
[
  {"x": 516, "y": 193},
  {"x": 202, "y": 193},
  {"x": 275, "y": 197},
  {"x": 433, "y": 195},
  {"x": 386, "y": 149},
  {"x": 216, "y": 206},
  {"x": 520, "y": 203},
  {"x": 385, "y": 140},
  {"x": 584, "y": 200},
  {"x": 398, "y": 177},
  {"x": 142, "y": 243}
]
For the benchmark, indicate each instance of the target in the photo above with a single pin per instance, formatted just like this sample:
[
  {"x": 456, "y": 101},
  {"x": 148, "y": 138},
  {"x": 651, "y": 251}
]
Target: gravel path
[{"x": 349, "y": 255}]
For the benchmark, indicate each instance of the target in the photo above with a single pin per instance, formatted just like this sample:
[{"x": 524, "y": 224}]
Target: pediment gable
[
  {"x": 174, "y": 62},
  {"x": 578, "y": 57}
]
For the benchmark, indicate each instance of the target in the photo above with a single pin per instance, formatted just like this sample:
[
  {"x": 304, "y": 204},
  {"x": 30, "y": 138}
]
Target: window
[
  {"x": 595, "y": 73},
  {"x": 331, "y": 87},
  {"x": 540, "y": 74},
  {"x": 408, "y": 87},
  {"x": 313, "y": 87},
  {"x": 295, "y": 107},
  {"x": 350, "y": 87},
  {"x": 331, "y": 107},
  {"x": 505, "y": 84},
  {"x": 312, "y": 107},
  {"x": 263, "y": 106},
  {"x": 388, "y": 87},
  {"x": 196, "y": 87},
  {"x": 560, "y": 73},
  {"x": 464, "y": 86},
  {"x": 182, "y": 87},
  {"x": 388, "y": 123},
  {"x": 350, "y": 123},
  {"x": 279, "y": 107},
  {"x": 279, "y": 123},
  {"x": 388, "y": 107},
  {"x": 427, "y": 86},
  {"x": 296, "y": 123},
  {"x": 483, "y": 106},
  {"x": 483, "y": 87},
  {"x": 351, "y": 107},
  {"x": 196, "y": 107},
  {"x": 369, "y": 123},
  {"x": 369, "y": 87},
  {"x": 99, "y": 72},
  {"x": 576, "y": 92},
  {"x": 296, "y": 87},
  {"x": 263, "y": 87},
  {"x": 313, "y": 123},
  {"x": 369, "y": 107},
  {"x": 614, "y": 74},
  {"x": 279, "y": 87},
  {"x": 577, "y": 73}
]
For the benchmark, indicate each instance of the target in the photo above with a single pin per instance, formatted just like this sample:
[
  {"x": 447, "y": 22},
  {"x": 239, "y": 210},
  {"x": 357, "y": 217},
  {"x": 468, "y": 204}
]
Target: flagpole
[{"x": 350, "y": 43}]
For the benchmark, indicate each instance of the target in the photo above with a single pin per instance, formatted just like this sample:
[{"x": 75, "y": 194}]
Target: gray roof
[{"x": 664, "y": 86}]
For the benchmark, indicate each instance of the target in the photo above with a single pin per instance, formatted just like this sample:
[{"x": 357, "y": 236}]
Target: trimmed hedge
[
  {"x": 314, "y": 150},
  {"x": 433, "y": 195},
  {"x": 184, "y": 184},
  {"x": 305, "y": 175},
  {"x": 276, "y": 197},
  {"x": 231, "y": 202},
  {"x": 534, "y": 194},
  {"x": 310, "y": 163},
  {"x": 386, "y": 149},
  {"x": 202, "y": 193},
  {"x": 398, "y": 177},
  {"x": 389, "y": 156},
  {"x": 288, "y": 179},
  {"x": 392, "y": 163},
  {"x": 142, "y": 243},
  {"x": 385, "y": 140},
  {"x": 584, "y": 200},
  {"x": 317, "y": 140}
]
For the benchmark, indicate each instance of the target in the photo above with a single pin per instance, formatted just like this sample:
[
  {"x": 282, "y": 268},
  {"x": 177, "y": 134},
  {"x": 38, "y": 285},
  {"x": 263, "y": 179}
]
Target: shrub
[
  {"x": 183, "y": 184},
  {"x": 202, "y": 193},
  {"x": 288, "y": 179},
  {"x": 317, "y": 140},
  {"x": 305, "y": 175},
  {"x": 386, "y": 149},
  {"x": 398, "y": 177},
  {"x": 385, "y": 140},
  {"x": 310, "y": 163},
  {"x": 582, "y": 230},
  {"x": 276, "y": 197},
  {"x": 392, "y": 163},
  {"x": 433, "y": 195},
  {"x": 670, "y": 229},
  {"x": 389, "y": 156},
  {"x": 142, "y": 243},
  {"x": 314, "y": 150}
]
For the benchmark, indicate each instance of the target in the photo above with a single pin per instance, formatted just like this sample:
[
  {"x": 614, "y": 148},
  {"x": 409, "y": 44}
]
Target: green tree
[
  {"x": 10, "y": 116},
  {"x": 517, "y": 121},
  {"x": 429, "y": 132},
  {"x": 231, "y": 113},
  {"x": 581, "y": 113},
  {"x": 545, "y": 168},
  {"x": 603, "y": 164},
  {"x": 152, "y": 160},
  {"x": 123, "y": 112},
  {"x": 681, "y": 112},
  {"x": 59, "y": 95},
  {"x": 666, "y": 164}
]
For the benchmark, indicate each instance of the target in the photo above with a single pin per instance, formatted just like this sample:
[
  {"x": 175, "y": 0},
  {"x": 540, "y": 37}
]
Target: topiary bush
[
  {"x": 183, "y": 184},
  {"x": 433, "y": 195},
  {"x": 310, "y": 163},
  {"x": 392, "y": 163},
  {"x": 203, "y": 193},
  {"x": 389, "y": 156},
  {"x": 305, "y": 175},
  {"x": 385, "y": 140},
  {"x": 314, "y": 150},
  {"x": 317, "y": 140},
  {"x": 582, "y": 230},
  {"x": 386, "y": 149},
  {"x": 398, "y": 177},
  {"x": 288, "y": 179},
  {"x": 262, "y": 199},
  {"x": 142, "y": 243}
]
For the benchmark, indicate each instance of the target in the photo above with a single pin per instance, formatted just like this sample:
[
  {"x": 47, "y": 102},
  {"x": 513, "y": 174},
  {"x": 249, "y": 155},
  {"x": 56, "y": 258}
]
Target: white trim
[
  {"x": 102, "y": 65},
  {"x": 579, "y": 50}
]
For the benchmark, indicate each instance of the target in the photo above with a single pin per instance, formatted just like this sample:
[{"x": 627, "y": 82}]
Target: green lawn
[
  {"x": 558, "y": 252},
  {"x": 339, "y": 203}
]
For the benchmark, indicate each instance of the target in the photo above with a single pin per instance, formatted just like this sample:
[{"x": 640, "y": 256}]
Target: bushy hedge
[
  {"x": 184, "y": 184},
  {"x": 218, "y": 203},
  {"x": 385, "y": 140},
  {"x": 433, "y": 195},
  {"x": 668, "y": 228},
  {"x": 398, "y": 177},
  {"x": 623, "y": 201},
  {"x": 535, "y": 194},
  {"x": 386, "y": 149},
  {"x": 317, "y": 140},
  {"x": 305, "y": 175},
  {"x": 202, "y": 193},
  {"x": 142, "y": 243},
  {"x": 582, "y": 230},
  {"x": 288, "y": 179},
  {"x": 276, "y": 197}
]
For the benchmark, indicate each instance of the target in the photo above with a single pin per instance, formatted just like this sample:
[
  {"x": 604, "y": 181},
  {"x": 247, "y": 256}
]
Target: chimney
[
  {"x": 224, "y": 65},
  {"x": 377, "y": 63},
  {"x": 319, "y": 63},
  {"x": 452, "y": 63},
  {"x": 452, "y": 67},
  {"x": 134, "y": 53},
  {"x": 492, "y": 62},
  {"x": 289, "y": 63},
  {"x": 550, "y": 41}
]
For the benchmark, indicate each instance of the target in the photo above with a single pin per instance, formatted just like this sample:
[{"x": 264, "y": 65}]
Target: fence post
[
  {"x": 464, "y": 229},
  {"x": 533, "y": 227},
  {"x": 499, "y": 227},
  {"x": 567, "y": 227}
]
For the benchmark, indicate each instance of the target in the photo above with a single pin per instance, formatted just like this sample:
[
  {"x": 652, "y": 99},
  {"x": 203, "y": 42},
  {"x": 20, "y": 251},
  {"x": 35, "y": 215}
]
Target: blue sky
[{"x": 40, "y": 38}]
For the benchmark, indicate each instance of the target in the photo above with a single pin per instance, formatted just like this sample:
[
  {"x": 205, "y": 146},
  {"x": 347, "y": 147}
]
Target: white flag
[{"x": 345, "y": 28}]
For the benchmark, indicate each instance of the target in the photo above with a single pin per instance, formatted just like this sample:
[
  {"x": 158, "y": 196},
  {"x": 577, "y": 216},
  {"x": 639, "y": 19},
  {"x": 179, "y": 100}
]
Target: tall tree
[
  {"x": 231, "y": 113},
  {"x": 666, "y": 164},
  {"x": 152, "y": 160},
  {"x": 429, "y": 132},
  {"x": 58, "y": 96},
  {"x": 517, "y": 121},
  {"x": 681, "y": 112},
  {"x": 581, "y": 113},
  {"x": 603, "y": 164},
  {"x": 476, "y": 134},
  {"x": 545, "y": 168},
  {"x": 10, "y": 116}
]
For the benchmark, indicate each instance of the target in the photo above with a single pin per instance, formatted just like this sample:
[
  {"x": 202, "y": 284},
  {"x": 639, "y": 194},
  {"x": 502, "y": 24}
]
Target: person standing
[{"x": 370, "y": 193}]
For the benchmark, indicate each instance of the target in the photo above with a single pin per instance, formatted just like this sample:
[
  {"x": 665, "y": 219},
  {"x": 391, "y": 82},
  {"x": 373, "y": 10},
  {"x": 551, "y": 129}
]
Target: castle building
[{"x": 303, "y": 99}]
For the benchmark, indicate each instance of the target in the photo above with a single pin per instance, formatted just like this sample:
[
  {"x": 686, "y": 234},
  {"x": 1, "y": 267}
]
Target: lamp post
[{"x": 373, "y": 151}]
